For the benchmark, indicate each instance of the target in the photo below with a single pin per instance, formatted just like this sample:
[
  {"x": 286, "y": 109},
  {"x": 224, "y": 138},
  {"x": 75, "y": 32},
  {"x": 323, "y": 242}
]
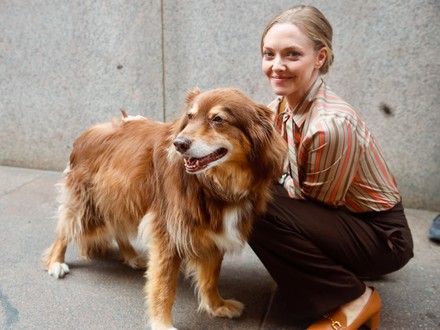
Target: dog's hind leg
[
  {"x": 54, "y": 256},
  {"x": 207, "y": 271},
  {"x": 129, "y": 255}
]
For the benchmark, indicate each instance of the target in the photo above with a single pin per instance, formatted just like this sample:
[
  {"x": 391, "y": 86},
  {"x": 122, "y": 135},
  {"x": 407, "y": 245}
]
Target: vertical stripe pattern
[
  {"x": 294, "y": 188},
  {"x": 334, "y": 158}
]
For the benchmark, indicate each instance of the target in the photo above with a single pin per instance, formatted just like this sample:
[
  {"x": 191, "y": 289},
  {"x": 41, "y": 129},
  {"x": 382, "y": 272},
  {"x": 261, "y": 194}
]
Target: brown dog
[{"x": 189, "y": 189}]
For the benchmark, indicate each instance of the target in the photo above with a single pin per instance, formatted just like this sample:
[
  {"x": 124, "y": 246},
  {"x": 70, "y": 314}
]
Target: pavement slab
[{"x": 105, "y": 294}]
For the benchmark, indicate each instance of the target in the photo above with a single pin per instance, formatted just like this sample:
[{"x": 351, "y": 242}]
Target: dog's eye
[
  {"x": 217, "y": 119},
  {"x": 190, "y": 115}
]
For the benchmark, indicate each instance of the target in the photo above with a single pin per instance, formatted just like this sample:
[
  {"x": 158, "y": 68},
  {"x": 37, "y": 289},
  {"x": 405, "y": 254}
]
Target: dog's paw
[
  {"x": 58, "y": 270},
  {"x": 138, "y": 262},
  {"x": 160, "y": 326},
  {"x": 230, "y": 308}
]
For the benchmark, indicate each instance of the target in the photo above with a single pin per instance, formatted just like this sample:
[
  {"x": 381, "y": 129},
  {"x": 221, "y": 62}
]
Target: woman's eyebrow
[
  {"x": 292, "y": 46},
  {"x": 286, "y": 49},
  {"x": 297, "y": 48}
]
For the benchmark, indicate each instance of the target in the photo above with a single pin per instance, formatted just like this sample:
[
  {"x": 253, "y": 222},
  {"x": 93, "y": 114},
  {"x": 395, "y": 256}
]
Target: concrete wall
[{"x": 65, "y": 65}]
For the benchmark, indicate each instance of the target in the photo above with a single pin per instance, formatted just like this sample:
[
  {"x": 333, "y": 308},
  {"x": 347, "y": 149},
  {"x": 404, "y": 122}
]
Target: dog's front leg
[
  {"x": 207, "y": 274},
  {"x": 160, "y": 289}
]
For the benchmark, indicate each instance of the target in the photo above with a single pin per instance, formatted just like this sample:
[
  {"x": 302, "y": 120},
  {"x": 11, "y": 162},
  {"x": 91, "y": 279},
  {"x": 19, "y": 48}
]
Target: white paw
[
  {"x": 58, "y": 270},
  {"x": 138, "y": 262},
  {"x": 230, "y": 308},
  {"x": 160, "y": 326}
]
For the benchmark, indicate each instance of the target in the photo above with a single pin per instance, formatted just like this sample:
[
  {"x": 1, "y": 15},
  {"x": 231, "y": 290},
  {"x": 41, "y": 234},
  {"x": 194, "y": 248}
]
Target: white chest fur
[{"x": 230, "y": 240}]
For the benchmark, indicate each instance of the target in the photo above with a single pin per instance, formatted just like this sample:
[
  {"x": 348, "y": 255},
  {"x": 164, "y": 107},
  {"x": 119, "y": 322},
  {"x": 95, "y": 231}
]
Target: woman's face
[{"x": 290, "y": 62}]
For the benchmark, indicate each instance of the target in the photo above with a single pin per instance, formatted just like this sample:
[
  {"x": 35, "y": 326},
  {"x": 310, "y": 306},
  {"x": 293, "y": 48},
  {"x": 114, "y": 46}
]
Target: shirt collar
[{"x": 299, "y": 114}]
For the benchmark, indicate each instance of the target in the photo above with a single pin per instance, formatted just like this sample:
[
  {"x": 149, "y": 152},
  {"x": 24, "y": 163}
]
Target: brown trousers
[{"x": 317, "y": 254}]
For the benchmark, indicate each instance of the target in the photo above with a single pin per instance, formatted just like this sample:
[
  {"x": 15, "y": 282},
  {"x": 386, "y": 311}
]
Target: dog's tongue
[{"x": 193, "y": 164}]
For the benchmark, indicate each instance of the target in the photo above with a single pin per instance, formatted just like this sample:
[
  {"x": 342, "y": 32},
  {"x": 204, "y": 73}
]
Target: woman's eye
[
  {"x": 294, "y": 54},
  {"x": 267, "y": 54}
]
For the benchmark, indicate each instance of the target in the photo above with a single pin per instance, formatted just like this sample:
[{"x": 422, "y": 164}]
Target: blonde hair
[{"x": 311, "y": 22}]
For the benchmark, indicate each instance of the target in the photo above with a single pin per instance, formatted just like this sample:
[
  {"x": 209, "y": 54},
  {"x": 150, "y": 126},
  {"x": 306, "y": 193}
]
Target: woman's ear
[{"x": 321, "y": 57}]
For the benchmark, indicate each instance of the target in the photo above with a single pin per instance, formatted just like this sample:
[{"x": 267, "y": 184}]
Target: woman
[{"x": 337, "y": 215}]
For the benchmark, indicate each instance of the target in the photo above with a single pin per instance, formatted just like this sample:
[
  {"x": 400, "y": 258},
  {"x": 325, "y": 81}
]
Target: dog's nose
[{"x": 182, "y": 144}]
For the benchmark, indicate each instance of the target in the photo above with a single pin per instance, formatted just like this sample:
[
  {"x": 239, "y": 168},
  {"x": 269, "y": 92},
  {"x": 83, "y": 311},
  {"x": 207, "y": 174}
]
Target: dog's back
[{"x": 109, "y": 166}]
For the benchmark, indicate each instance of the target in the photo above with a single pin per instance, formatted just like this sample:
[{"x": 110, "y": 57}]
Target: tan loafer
[{"x": 370, "y": 316}]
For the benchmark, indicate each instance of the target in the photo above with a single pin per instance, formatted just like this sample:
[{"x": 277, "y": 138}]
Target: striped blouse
[{"x": 339, "y": 162}]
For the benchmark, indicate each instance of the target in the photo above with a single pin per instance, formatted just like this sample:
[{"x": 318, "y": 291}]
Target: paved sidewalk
[{"x": 105, "y": 294}]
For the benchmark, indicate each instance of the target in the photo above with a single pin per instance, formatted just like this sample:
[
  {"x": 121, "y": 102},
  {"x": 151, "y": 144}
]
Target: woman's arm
[{"x": 328, "y": 160}]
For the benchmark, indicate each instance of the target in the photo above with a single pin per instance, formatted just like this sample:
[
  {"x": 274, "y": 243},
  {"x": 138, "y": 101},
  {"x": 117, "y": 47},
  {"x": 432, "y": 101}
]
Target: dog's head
[{"x": 223, "y": 128}]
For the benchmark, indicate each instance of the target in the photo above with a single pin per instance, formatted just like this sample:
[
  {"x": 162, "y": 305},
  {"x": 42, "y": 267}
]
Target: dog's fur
[{"x": 135, "y": 176}]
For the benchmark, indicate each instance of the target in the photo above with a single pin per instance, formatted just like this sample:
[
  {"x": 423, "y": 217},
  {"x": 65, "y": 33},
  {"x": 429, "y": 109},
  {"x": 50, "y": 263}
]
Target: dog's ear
[
  {"x": 262, "y": 128},
  {"x": 264, "y": 111},
  {"x": 269, "y": 149},
  {"x": 192, "y": 94}
]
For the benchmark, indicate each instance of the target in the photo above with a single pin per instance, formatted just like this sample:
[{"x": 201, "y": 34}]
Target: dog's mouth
[{"x": 193, "y": 164}]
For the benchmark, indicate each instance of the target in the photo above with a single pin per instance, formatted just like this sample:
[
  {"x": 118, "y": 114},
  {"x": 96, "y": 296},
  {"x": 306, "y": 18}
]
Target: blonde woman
[{"x": 337, "y": 215}]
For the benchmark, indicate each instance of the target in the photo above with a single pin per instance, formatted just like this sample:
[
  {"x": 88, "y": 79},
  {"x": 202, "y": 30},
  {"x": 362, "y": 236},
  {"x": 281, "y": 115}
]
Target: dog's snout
[{"x": 182, "y": 144}]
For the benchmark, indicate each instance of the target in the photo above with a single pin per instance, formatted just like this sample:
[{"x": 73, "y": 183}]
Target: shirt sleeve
[{"x": 330, "y": 158}]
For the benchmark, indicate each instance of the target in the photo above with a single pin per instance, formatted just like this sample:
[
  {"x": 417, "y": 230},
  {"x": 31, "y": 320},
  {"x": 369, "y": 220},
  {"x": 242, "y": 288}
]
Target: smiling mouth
[{"x": 193, "y": 164}]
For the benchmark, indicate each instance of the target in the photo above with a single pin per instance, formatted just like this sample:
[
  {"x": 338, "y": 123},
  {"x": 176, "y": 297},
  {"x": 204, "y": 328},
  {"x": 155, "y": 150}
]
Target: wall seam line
[{"x": 162, "y": 39}]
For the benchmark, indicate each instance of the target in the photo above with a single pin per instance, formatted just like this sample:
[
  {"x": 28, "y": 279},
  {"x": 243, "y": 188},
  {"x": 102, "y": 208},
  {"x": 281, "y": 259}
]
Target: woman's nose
[{"x": 278, "y": 64}]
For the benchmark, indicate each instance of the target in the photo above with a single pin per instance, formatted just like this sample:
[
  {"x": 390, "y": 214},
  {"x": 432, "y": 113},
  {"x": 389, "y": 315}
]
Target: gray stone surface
[
  {"x": 105, "y": 294},
  {"x": 68, "y": 64},
  {"x": 65, "y": 65}
]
